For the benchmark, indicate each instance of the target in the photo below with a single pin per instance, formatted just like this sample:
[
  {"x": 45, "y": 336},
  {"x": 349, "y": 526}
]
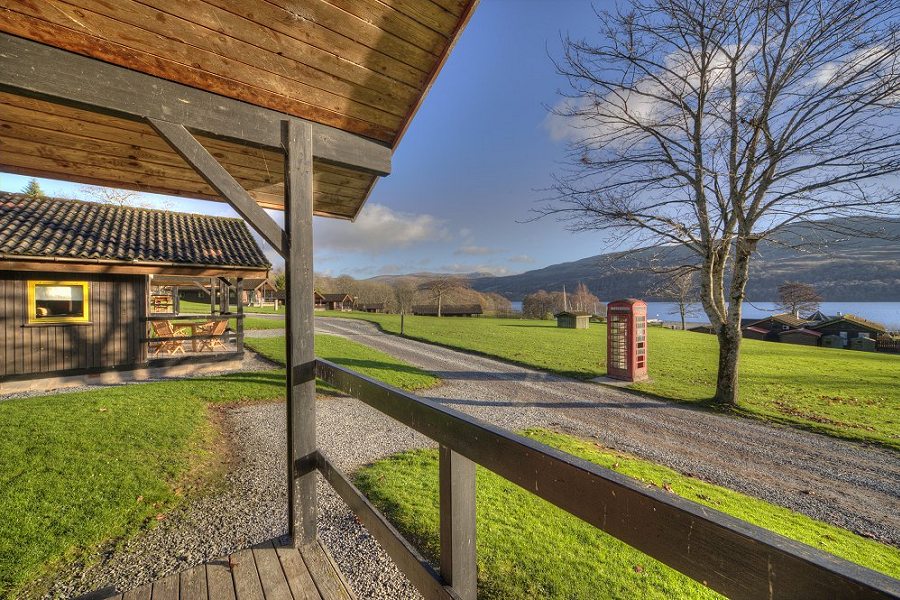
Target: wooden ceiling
[{"x": 362, "y": 66}]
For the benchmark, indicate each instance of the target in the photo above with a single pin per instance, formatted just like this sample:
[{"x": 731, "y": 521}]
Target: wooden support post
[
  {"x": 239, "y": 337},
  {"x": 301, "y": 405},
  {"x": 212, "y": 295},
  {"x": 457, "y": 502},
  {"x": 223, "y": 298}
]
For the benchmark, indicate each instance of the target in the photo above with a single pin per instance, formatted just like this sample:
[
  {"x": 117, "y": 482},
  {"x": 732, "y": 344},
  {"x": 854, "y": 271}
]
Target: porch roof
[{"x": 359, "y": 67}]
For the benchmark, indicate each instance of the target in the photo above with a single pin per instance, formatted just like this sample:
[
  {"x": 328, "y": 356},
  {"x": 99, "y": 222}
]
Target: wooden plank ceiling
[{"x": 359, "y": 65}]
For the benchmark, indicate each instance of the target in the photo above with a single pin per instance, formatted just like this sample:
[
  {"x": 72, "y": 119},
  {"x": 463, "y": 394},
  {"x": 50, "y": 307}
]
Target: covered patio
[{"x": 298, "y": 107}]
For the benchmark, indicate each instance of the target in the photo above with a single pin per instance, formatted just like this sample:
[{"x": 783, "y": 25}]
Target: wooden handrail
[{"x": 727, "y": 554}]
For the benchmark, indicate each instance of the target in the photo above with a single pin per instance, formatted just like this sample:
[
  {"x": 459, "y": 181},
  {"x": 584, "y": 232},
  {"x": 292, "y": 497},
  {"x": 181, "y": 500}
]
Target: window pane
[{"x": 55, "y": 301}]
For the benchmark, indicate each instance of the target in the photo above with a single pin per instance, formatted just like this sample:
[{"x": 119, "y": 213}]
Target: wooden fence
[{"x": 728, "y": 555}]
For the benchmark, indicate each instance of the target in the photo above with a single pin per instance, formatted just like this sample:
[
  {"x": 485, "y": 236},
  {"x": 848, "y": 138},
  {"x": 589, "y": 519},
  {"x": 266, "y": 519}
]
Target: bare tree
[
  {"x": 438, "y": 287},
  {"x": 794, "y": 297},
  {"x": 679, "y": 288},
  {"x": 713, "y": 124},
  {"x": 541, "y": 304},
  {"x": 583, "y": 300},
  {"x": 405, "y": 294},
  {"x": 117, "y": 197}
]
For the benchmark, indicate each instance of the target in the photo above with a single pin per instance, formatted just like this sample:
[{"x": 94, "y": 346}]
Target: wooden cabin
[
  {"x": 573, "y": 319},
  {"x": 770, "y": 327},
  {"x": 338, "y": 302},
  {"x": 448, "y": 310},
  {"x": 299, "y": 106},
  {"x": 75, "y": 279},
  {"x": 371, "y": 307},
  {"x": 801, "y": 336},
  {"x": 848, "y": 328},
  {"x": 260, "y": 292}
]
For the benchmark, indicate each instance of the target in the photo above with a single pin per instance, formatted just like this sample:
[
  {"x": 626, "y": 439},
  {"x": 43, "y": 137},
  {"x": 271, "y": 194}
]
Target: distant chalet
[
  {"x": 449, "y": 310},
  {"x": 75, "y": 278}
]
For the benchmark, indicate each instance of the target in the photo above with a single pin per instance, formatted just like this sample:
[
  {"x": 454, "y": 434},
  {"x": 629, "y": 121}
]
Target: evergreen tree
[{"x": 33, "y": 190}]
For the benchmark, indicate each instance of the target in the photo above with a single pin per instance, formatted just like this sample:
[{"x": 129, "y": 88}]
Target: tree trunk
[
  {"x": 439, "y": 304},
  {"x": 683, "y": 310},
  {"x": 729, "y": 351},
  {"x": 729, "y": 332}
]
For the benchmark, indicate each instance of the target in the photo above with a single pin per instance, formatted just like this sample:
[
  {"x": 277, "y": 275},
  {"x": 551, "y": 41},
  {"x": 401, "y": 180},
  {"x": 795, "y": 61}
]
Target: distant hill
[
  {"x": 423, "y": 275},
  {"x": 843, "y": 267}
]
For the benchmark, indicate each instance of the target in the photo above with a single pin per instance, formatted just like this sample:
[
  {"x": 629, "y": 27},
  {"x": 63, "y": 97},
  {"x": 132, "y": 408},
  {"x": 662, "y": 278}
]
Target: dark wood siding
[{"x": 111, "y": 339}]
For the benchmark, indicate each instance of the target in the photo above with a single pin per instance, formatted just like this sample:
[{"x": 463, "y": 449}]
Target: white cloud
[
  {"x": 473, "y": 250},
  {"x": 521, "y": 258},
  {"x": 617, "y": 118},
  {"x": 466, "y": 268},
  {"x": 378, "y": 228}
]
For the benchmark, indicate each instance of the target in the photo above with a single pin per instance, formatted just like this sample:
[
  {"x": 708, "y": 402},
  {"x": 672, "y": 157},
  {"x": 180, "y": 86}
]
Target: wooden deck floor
[{"x": 269, "y": 571}]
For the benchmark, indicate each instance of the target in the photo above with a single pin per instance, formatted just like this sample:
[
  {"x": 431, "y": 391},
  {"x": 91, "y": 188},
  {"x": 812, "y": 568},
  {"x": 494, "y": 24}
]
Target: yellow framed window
[{"x": 58, "y": 302}]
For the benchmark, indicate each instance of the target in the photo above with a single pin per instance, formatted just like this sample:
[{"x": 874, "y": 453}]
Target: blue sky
[{"x": 475, "y": 161}]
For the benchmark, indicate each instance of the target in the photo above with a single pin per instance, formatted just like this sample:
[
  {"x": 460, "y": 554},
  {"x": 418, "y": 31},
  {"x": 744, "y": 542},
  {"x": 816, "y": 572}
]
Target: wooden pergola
[{"x": 298, "y": 105}]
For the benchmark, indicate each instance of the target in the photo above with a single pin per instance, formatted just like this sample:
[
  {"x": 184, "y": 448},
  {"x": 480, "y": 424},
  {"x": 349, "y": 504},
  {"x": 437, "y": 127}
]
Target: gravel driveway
[{"x": 850, "y": 485}]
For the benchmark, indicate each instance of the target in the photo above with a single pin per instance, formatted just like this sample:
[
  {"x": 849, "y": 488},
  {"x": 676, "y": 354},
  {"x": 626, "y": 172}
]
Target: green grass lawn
[
  {"x": 356, "y": 356},
  {"x": 528, "y": 548},
  {"x": 78, "y": 470},
  {"x": 203, "y": 308},
  {"x": 839, "y": 392}
]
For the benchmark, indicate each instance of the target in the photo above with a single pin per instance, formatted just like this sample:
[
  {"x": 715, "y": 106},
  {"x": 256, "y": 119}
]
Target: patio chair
[
  {"x": 165, "y": 329},
  {"x": 216, "y": 328}
]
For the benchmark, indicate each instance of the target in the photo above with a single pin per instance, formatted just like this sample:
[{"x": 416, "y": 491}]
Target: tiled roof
[
  {"x": 853, "y": 319},
  {"x": 53, "y": 227},
  {"x": 337, "y": 297},
  {"x": 784, "y": 318}
]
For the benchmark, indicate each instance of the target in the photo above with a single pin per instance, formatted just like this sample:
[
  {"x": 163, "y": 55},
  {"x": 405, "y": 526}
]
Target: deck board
[
  {"x": 219, "y": 583},
  {"x": 273, "y": 570},
  {"x": 166, "y": 588},
  {"x": 271, "y": 575},
  {"x": 300, "y": 581},
  {"x": 246, "y": 579},
  {"x": 193, "y": 583}
]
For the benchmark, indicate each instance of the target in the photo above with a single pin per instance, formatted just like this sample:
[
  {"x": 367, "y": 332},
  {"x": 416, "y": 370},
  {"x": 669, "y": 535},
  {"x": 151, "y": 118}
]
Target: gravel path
[{"x": 847, "y": 484}]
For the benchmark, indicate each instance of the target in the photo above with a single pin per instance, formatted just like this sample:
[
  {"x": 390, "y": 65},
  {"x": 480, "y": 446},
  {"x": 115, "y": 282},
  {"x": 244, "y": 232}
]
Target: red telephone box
[{"x": 626, "y": 340}]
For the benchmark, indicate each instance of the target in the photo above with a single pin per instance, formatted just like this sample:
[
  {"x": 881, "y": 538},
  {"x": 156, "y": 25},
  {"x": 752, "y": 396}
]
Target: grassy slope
[
  {"x": 528, "y": 548},
  {"x": 79, "y": 469},
  {"x": 840, "y": 392},
  {"x": 355, "y": 356}
]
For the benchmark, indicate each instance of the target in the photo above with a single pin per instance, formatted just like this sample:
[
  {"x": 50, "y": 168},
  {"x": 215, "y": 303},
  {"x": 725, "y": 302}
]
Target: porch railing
[{"x": 726, "y": 554}]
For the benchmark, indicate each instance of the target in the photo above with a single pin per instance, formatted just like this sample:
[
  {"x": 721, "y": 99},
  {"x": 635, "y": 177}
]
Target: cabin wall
[{"x": 111, "y": 339}]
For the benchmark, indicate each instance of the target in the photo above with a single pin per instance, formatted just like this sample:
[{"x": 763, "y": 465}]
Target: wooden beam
[
  {"x": 410, "y": 562},
  {"x": 206, "y": 165},
  {"x": 239, "y": 339},
  {"x": 301, "y": 359},
  {"x": 457, "y": 508},
  {"x": 40, "y": 71}
]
